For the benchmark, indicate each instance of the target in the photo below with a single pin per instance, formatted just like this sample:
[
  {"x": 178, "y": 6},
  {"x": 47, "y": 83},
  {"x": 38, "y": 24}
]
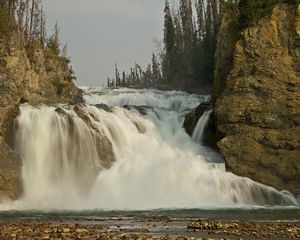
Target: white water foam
[{"x": 157, "y": 164}]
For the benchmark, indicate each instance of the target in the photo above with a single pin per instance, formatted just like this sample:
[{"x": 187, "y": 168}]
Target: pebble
[{"x": 202, "y": 227}]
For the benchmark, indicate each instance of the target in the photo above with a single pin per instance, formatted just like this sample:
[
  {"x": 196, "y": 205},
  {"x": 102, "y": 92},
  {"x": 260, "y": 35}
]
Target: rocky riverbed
[{"x": 147, "y": 228}]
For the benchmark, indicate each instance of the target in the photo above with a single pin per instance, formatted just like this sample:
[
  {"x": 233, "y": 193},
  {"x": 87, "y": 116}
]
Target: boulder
[
  {"x": 212, "y": 135},
  {"x": 192, "y": 118}
]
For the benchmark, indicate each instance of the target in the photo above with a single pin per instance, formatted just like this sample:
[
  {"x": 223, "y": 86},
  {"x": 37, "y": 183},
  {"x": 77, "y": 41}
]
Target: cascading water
[
  {"x": 99, "y": 157},
  {"x": 198, "y": 134}
]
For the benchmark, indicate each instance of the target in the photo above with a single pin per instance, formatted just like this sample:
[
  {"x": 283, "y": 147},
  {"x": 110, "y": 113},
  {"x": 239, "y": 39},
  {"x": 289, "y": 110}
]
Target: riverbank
[{"x": 147, "y": 228}]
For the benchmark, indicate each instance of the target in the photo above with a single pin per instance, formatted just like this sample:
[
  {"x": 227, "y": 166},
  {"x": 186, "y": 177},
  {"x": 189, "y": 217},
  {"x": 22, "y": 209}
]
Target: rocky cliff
[
  {"x": 26, "y": 75},
  {"x": 257, "y": 97}
]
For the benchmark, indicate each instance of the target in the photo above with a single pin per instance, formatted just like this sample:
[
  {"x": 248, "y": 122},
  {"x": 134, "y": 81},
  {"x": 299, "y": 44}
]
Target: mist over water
[{"x": 154, "y": 163}]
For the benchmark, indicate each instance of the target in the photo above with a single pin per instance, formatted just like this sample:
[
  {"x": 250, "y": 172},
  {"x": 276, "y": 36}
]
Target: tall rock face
[
  {"x": 257, "y": 103},
  {"x": 34, "y": 78}
]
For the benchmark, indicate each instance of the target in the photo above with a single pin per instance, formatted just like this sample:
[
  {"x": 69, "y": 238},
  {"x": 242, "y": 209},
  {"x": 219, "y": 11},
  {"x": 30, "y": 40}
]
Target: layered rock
[
  {"x": 258, "y": 102},
  {"x": 35, "y": 78}
]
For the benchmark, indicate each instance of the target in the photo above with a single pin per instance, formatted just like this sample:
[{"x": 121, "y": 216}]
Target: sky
[{"x": 100, "y": 33}]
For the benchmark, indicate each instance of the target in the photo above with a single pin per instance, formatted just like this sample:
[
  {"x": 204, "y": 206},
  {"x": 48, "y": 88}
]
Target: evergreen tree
[
  {"x": 156, "y": 76},
  {"x": 186, "y": 14},
  {"x": 169, "y": 42},
  {"x": 200, "y": 18},
  {"x": 53, "y": 44},
  {"x": 123, "y": 84},
  {"x": 117, "y": 75}
]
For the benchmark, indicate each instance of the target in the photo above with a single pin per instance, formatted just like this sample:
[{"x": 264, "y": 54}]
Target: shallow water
[{"x": 269, "y": 214}]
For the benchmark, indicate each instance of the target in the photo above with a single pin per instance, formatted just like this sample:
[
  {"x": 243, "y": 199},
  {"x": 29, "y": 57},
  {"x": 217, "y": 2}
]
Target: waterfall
[
  {"x": 199, "y": 132},
  {"x": 109, "y": 157}
]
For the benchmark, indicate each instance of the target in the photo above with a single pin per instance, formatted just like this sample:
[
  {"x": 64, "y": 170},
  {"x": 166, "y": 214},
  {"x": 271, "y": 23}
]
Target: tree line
[
  {"x": 187, "y": 58},
  {"x": 189, "y": 42}
]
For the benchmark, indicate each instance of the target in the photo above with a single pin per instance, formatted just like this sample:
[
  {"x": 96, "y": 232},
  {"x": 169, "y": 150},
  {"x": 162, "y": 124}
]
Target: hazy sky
[{"x": 102, "y": 32}]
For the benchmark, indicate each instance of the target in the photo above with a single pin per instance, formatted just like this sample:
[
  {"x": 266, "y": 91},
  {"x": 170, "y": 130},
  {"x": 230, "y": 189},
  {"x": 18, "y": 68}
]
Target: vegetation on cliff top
[{"x": 28, "y": 17}]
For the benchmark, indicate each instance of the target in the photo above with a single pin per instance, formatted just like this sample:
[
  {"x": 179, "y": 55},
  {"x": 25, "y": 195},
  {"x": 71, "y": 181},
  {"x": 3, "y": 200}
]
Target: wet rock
[
  {"x": 140, "y": 109},
  {"x": 104, "y": 107},
  {"x": 247, "y": 229},
  {"x": 192, "y": 118},
  {"x": 257, "y": 105},
  {"x": 23, "y": 100},
  {"x": 205, "y": 227},
  {"x": 61, "y": 111},
  {"x": 212, "y": 135},
  {"x": 66, "y": 230},
  {"x": 81, "y": 230},
  {"x": 204, "y": 224},
  {"x": 104, "y": 145}
]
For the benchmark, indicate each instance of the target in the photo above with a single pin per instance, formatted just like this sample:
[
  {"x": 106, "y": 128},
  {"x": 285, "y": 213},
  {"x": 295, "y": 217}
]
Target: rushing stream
[{"x": 136, "y": 157}]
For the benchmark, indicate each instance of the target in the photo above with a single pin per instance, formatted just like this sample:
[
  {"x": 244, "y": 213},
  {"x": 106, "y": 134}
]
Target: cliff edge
[
  {"x": 257, "y": 97},
  {"x": 26, "y": 75}
]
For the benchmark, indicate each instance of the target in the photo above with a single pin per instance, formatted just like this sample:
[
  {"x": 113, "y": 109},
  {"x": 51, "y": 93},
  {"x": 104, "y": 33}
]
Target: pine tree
[
  {"x": 53, "y": 44},
  {"x": 186, "y": 14},
  {"x": 169, "y": 42},
  {"x": 200, "y": 18},
  {"x": 179, "y": 39},
  {"x": 123, "y": 79},
  {"x": 155, "y": 75},
  {"x": 169, "y": 30},
  {"x": 117, "y": 75}
]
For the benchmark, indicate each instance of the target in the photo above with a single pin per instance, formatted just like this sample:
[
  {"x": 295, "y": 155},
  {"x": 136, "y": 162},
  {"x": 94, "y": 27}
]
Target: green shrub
[
  {"x": 53, "y": 47},
  {"x": 71, "y": 77}
]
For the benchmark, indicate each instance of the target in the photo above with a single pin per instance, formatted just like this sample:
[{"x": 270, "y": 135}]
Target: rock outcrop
[
  {"x": 257, "y": 105},
  {"x": 104, "y": 145},
  {"x": 191, "y": 119},
  {"x": 212, "y": 135},
  {"x": 34, "y": 78}
]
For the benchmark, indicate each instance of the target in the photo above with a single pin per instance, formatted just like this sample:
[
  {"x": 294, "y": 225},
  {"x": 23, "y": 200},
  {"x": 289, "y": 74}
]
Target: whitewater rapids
[{"x": 154, "y": 163}]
